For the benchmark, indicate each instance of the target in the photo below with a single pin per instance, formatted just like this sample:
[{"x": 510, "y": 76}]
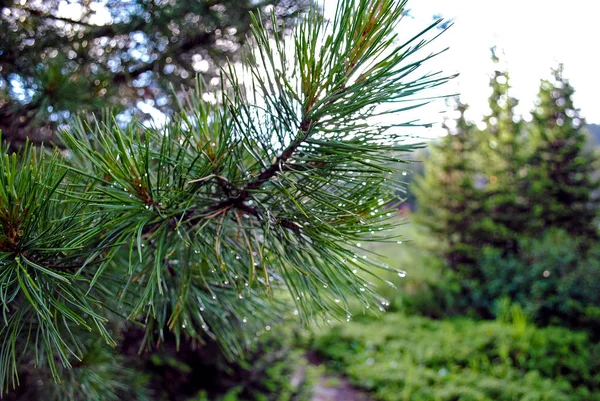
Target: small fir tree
[
  {"x": 500, "y": 158},
  {"x": 558, "y": 174},
  {"x": 450, "y": 196}
]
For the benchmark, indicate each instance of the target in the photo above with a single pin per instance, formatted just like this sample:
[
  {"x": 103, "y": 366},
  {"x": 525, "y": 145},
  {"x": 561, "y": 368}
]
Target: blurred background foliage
[
  {"x": 62, "y": 57},
  {"x": 501, "y": 300}
]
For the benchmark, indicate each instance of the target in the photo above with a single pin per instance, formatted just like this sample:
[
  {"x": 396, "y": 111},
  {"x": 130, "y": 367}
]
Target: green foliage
[
  {"x": 554, "y": 281},
  {"x": 194, "y": 230},
  {"x": 43, "y": 295},
  {"x": 414, "y": 358}
]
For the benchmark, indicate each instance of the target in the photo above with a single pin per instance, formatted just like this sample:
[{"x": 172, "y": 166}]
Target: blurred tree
[
  {"x": 501, "y": 157},
  {"x": 515, "y": 182},
  {"x": 450, "y": 195},
  {"x": 60, "y": 57},
  {"x": 468, "y": 197},
  {"x": 558, "y": 179}
]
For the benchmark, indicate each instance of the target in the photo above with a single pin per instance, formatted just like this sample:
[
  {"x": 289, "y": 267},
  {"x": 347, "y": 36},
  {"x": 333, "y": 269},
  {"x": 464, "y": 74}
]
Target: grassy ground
[{"x": 402, "y": 358}]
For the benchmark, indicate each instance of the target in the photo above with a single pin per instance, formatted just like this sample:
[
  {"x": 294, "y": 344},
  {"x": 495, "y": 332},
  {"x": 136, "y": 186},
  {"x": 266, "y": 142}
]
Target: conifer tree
[
  {"x": 449, "y": 196},
  {"x": 501, "y": 156},
  {"x": 195, "y": 229},
  {"x": 559, "y": 179}
]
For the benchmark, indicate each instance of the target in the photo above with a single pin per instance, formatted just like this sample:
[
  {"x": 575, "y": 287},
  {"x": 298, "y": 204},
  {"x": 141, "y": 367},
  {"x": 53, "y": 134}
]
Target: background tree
[
  {"x": 504, "y": 205},
  {"x": 450, "y": 195},
  {"x": 468, "y": 197},
  {"x": 500, "y": 159},
  {"x": 58, "y": 58},
  {"x": 195, "y": 230},
  {"x": 559, "y": 172}
]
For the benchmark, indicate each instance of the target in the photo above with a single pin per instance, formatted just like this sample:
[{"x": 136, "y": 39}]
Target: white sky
[{"x": 532, "y": 36}]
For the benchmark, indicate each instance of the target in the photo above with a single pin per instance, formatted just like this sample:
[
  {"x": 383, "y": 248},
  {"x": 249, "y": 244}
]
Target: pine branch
[{"x": 190, "y": 228}]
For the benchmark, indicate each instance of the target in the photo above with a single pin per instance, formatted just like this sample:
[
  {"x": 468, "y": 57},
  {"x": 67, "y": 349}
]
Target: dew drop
[{"x": 402, "y": 273}]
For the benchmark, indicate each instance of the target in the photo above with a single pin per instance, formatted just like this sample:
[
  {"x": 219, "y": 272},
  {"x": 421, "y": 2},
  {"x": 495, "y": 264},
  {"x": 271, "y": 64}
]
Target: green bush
[
  {"x": 555, "y": 280},
  {"x": 437, "y": 297},
  {"x": 401, "y": 358}
]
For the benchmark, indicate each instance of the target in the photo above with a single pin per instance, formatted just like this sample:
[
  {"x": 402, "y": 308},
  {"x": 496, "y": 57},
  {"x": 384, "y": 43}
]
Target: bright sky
[{"x": 531, "y": 35}]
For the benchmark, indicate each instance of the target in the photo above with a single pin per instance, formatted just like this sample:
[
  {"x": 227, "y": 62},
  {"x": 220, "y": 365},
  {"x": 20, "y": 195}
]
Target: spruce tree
[
  {"x": 558, "y": 174},
  {"x": 197, "y": 229},
  {"x": 501, "y": 156},
  {"x": 450, "y": 196}
]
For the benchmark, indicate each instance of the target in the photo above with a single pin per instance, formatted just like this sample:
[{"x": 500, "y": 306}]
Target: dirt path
[{"x": 334, "y": 387}]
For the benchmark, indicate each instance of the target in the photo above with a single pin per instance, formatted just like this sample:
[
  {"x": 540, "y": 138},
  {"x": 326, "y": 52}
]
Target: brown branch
[
  {"x": 278, "y": 165},
  {"x": 41, "y": 14},
  {"x": 287, "y": 223}
]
